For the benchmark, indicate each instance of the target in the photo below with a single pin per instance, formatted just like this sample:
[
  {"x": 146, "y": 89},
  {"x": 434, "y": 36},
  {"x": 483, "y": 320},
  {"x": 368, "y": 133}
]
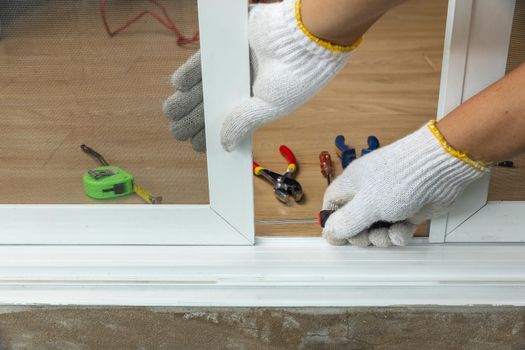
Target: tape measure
[{"x": 109, "y": 181}]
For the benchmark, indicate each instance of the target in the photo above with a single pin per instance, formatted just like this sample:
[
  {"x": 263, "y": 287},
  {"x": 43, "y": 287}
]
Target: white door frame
[
  {"x": 475, "y": 55},
  {"x": 227, "y": 220}
]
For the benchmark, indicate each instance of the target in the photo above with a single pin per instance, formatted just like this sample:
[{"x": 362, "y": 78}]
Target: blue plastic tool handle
[
  {"x": 373, "y": 144},
  {"x": 346, "y": 153},
  {"x": 340, "y": 143}
]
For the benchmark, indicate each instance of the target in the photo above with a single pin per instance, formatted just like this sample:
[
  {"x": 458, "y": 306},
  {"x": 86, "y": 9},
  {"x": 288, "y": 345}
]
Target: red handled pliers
[{"x": 285, "y": 187}]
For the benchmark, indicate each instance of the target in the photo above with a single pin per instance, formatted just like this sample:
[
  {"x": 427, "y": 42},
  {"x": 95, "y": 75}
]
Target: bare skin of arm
[
  {"x": 343, "y": 21},
  {"x": 491, "y": 125}
]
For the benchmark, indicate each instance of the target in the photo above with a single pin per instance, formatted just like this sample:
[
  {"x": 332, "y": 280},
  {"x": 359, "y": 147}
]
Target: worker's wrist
[
  {"x": 454, "y": 149},
  {"x": 320, "y": 29},
  {"x": 426, "y": 159}
]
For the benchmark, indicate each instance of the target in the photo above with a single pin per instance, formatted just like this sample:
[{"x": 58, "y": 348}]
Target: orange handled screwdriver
[{"x": 327, "y": 167}]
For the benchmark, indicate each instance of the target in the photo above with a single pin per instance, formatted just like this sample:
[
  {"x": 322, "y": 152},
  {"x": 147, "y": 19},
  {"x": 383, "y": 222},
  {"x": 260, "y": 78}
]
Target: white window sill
[{"x": 274, "y": 272}]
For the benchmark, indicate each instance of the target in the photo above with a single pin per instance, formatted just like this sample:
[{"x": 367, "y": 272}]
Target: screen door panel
[
  {"x": 64, "y": 81},
  {"x": 509, "y": 184}
]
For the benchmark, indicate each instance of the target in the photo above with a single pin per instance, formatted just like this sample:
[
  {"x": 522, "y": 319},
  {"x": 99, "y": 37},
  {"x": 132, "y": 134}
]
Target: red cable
[{"x": 166, "y": 22}]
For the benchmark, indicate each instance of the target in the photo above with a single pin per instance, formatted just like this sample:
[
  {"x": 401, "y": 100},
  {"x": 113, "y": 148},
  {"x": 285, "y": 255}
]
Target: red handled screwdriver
[{"x": 327, "y": 167}]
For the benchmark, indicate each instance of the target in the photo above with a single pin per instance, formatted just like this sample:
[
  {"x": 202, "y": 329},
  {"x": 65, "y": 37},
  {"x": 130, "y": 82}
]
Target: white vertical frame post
[
  {"x": 226, "y": 82},
  {"x": 475, "y": 55},
  {"x": 452, "y": 77},
  {"x": 227, "y": 220}
]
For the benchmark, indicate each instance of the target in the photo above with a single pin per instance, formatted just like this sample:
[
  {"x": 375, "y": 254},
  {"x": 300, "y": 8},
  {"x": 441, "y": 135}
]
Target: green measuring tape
[{"x": 108, "y": 181}]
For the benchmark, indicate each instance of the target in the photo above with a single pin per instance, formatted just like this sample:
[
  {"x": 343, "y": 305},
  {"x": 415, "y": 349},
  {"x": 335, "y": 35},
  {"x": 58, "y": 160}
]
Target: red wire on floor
[{"x": 166, "y": 22}]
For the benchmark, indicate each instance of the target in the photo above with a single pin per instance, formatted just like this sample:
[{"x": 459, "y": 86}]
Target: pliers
[
  {"x": 344, "y": 152},
  {"x": 285, "y": 187},
  {"x": 348, "y": 154}
]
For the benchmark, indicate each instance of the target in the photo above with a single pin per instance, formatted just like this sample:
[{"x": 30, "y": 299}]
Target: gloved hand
[
  {"x": 289, "y": 65},
  {"x": 405, "y": 183}
]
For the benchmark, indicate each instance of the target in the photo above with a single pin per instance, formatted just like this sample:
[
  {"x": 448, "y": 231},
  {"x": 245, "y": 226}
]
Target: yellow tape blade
[{"x": 146, "y": 195}]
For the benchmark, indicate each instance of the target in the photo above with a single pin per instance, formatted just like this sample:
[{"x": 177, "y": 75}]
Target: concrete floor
[{"x": 339, "y": 328}]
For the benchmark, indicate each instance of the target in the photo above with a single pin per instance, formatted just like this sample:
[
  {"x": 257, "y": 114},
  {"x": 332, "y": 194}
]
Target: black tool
[{"x": 325, "y": 214}]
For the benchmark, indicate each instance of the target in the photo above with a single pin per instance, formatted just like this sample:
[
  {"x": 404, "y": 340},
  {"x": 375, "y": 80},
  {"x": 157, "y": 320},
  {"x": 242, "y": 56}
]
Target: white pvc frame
[
  {"x": 227, "y": 220},
  {"x": 273, "y": 272},
  {"x": 475, "y": 55}
]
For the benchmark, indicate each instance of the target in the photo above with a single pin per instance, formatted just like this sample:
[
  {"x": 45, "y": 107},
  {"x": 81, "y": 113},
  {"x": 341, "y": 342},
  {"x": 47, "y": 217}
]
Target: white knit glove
[
  {"x": 288, "y": 68},
  {"x": 405, "y": 183}
]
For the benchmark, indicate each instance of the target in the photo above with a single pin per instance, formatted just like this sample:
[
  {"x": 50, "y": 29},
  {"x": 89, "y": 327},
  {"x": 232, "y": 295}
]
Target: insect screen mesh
[{"x": 64, "y": 81}]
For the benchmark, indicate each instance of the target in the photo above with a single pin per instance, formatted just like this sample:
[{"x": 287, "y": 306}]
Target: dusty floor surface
[{"x": 339, "y": 328}]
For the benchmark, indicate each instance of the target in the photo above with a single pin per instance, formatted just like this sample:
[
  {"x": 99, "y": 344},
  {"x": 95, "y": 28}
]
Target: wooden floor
[{"x": 64, "y": 82}]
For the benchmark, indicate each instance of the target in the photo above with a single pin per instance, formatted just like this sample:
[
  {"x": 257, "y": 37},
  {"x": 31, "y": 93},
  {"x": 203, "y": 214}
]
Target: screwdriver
[
  {"x": 327, "y": 167},
  {"x": 323, "y": 216}
]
